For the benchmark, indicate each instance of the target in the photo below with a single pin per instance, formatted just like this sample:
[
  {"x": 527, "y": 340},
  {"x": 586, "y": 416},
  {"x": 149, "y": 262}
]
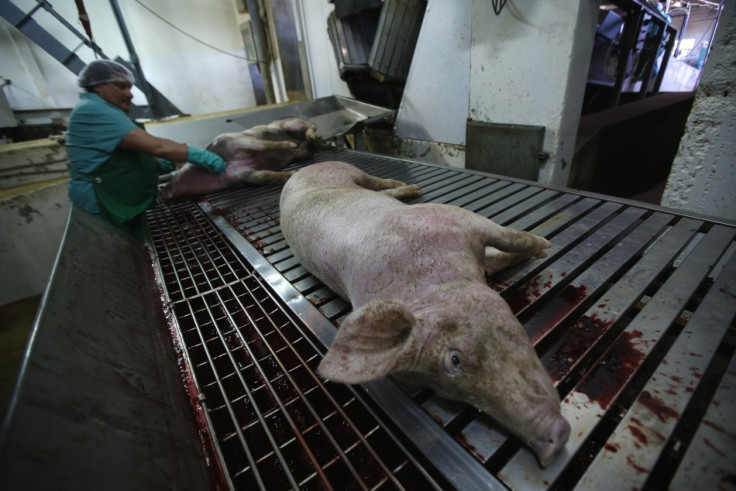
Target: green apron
[{"x": 126, "y": 186}]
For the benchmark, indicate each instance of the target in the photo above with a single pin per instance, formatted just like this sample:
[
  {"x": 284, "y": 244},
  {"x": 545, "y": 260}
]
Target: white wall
[
  {"x": 529, "y": 66},
  {"x": 196, "y": 78},
  {"x": 703, "y": 176},
  {"x": 324, "y": 77},
  {"x": 439, "y": 77}
]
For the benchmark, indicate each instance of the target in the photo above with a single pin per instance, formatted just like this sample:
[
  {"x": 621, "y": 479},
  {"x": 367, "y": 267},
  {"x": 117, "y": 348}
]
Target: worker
[{"x": 114, "y": 163}]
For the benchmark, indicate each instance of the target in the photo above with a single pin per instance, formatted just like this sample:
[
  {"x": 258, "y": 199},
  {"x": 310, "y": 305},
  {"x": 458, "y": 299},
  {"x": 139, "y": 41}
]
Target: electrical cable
[
  {"x": 498, "y": 6},
  {"x": 189, "y": 35}
]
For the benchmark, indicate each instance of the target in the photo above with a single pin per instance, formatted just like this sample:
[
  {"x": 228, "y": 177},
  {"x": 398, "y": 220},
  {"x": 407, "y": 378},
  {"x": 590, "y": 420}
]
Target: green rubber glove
[
  {"x": 166, "y": 166},
  {"x": 203, "y": 158}
]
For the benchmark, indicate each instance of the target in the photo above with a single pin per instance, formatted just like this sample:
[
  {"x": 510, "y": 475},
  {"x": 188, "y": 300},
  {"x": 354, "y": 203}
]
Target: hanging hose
[{"x": 84, "y": 19}]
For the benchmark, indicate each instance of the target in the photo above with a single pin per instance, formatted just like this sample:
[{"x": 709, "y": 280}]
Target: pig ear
[{"x": 369, "y": 343}]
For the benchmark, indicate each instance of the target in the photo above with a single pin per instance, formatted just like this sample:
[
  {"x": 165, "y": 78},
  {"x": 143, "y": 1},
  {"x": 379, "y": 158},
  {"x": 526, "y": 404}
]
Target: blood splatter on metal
[
  {"x": 657, "y": 406},
  {"x": 618, "y": 365},
  {"x": 574, "y": 345}
]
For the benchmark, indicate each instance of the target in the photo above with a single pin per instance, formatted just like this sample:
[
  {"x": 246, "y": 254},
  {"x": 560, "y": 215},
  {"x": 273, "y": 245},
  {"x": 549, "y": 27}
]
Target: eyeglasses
[{"x": 122, "y": 85}]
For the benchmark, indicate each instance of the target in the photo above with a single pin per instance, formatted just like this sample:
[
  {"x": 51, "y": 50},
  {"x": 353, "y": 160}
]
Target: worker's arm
[{"x": 141, "y": 141}]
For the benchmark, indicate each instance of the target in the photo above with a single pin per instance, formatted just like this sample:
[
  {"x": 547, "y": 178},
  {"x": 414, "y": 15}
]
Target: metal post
[
  {"x": 133, "y": 56},
  {"x": 260, "y": 39},
  {"x": 681, "y": 34}
]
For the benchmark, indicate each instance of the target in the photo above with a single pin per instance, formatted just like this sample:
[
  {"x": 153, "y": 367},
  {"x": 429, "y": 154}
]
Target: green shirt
[{"x": 96, "y": 128}]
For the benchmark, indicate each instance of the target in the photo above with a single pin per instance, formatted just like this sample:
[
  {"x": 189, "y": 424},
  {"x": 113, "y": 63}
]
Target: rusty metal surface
[{"x": 631, "y": 312}]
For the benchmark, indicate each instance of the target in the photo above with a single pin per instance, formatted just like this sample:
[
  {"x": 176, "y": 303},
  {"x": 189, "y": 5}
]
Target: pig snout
[
  {"x": 549, "y": 434},
  {"x": 539, "y": 421}
]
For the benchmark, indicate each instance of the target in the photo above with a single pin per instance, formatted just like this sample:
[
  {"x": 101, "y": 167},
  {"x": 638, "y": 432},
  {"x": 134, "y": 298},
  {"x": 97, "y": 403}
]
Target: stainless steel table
[{"x": 632, "y": 314}]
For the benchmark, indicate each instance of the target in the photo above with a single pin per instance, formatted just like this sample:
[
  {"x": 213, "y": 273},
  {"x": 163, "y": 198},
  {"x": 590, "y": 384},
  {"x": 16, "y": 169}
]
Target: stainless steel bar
[
  {"x": 598, "y": 389},
  {"x": 261, "y": 415},
  {"x": 221, "y": 328},
  {"x": 551, "y": 224},
  {"x": 520, "y": 210},
  {"x": 554, "y": 208},
  {"x": 489, "y": 199},
  {"x": 590, "y": 285},
  {"x": 437, "y": 192},
  {"x": 460, "y": 469},
  {"x": 615, "y": 266},
  {"x": 572, "y": 349},
  {"x": 648, "y": 425},
  {"x": 508, "y": 202},
  {"x": 709, "y": 460},
  {"x": 520, "y": 276},
  {"x": 208, "y": 408},
  {"x": 479, "y": 187}
]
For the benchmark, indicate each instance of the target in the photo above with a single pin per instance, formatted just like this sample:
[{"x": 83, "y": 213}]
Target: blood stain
[
  {"x": 470, "y": 448},
  {"x": 659, "y": 408},
  {"x": 638, "y": 434},
  {"x": 574, "y": 345},
  {"x": 717, "y": 450},
  {"x": 605, "y": 381},
  {"x": 554, "y": 311},
  {"x": 637, "y": 467}
]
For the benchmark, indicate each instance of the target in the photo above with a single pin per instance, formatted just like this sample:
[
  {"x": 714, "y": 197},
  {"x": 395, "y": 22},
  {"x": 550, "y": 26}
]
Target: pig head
[
  {"x": 254, "y": 156},
  {"x": 421, "y": 307}
]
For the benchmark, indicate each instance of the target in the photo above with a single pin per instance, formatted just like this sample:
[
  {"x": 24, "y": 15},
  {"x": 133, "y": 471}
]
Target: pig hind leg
[
  {"x": 266, "y": 177},
  {"x": 510, "y": 241},
  {"x": 390, "y": 187},
  {"x": 496, "y": 260}
]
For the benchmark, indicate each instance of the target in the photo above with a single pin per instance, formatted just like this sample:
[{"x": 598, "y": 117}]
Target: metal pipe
[
  {"x": 681, "y": 34},
  {"x": 713, "y": 32},
  {"x": 133, "y": 56}
]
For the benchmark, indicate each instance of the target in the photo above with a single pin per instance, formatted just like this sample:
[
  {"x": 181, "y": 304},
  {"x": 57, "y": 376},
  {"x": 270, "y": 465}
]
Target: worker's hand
[
  {"x": 166, "y": 166},
  {"x": 203, "y": 158}
]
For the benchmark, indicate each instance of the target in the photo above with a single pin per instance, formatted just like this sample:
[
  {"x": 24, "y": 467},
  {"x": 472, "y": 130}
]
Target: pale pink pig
[
  {"x": 254, "y": 156},
  {"x": 421, "y": 306}
]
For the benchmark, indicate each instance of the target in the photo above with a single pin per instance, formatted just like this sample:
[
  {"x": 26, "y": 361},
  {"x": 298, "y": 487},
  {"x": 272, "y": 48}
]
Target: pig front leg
[{"x": 404, "y": 191}]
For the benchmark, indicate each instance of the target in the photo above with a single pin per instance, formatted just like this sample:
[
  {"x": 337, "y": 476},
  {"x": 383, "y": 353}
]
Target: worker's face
[{"x": 116, "y": 93}]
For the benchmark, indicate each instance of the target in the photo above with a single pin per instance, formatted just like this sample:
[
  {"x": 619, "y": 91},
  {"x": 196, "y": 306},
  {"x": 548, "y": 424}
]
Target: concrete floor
[{"x": 16, "y": 323}]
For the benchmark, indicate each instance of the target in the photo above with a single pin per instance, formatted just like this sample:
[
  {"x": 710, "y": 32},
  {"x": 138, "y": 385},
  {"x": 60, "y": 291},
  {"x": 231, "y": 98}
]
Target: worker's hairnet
[{"x": 103, "y": 71}]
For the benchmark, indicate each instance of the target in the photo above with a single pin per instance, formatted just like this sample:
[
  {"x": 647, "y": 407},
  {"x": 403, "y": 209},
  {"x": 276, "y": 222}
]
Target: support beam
[{"x": 529, "y": 66}]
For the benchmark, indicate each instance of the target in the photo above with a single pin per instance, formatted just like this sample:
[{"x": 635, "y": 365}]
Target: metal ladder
[{"x": 158, "y": 105}]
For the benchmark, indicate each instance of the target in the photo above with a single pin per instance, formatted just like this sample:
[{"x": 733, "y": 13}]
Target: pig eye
[{"x": 452, "y": 362}]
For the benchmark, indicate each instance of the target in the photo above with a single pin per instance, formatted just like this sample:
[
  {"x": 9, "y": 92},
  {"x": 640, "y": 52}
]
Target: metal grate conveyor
[{"x": 632, "y": 314}]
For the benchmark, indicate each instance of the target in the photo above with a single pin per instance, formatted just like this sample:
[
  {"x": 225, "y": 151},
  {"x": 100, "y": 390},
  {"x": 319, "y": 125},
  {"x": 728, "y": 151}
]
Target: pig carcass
[
  {"x": 422, "y": 309},
  {"x": 254, "y": 156}
]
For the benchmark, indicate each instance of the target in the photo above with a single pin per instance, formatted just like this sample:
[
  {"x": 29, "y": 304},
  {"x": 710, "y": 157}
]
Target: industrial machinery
[{"x": 190, "y": 362}]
